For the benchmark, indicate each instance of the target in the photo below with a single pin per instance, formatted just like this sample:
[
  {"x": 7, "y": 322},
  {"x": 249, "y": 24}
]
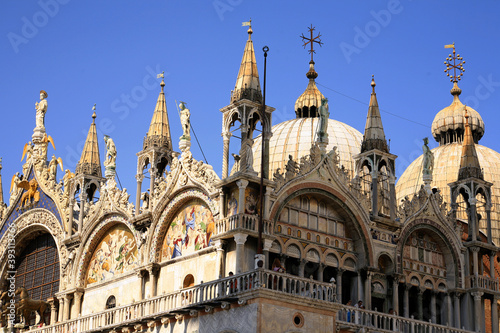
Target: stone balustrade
[
  {"x": 231, "y": 289},
  {"x": 354, "y": 318},
  {"x": 481, "y": 282},
  {"x": 242, "y": 221}
]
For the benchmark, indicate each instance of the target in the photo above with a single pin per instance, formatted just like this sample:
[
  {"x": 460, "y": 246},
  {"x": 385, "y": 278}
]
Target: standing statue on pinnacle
[
  {"x": 41, "y": 109},
  {"x": 324, "y": 114},
  {"x": 428, "y": 164},
  {"x": 185, "y": 121},
  {"x": 110, "y": 161}
]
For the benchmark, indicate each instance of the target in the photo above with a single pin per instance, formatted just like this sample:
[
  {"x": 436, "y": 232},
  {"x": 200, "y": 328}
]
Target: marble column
[
  {"x": 83, "y": 198},
  {"x": 219, "y": 261},
  {"x": 339, "y": 285},
  {"x": 242, "y": 185},
  {"x": 69, "y": 232},
  {"x": 449, "y": 309},
  {"x": 267, "y": 243},
  {"x": 302, "y": 265},
  {"x": 139, "y": 178},
  {"x": 475, "y": 251},
  {"x": 368, "y": 291},
  {"x": 76, "y": 310},
  {"x": 456, "y": 298},
  {"x": 433, "y": 306},
  {"x": 67, "y": 304},
  {"x": 374, "y": 193},
  {"x": 406, "y": 300},
  {"x": 152, "y": 175},
  {"x": 473, "y": 227},
  {"x": 53, "y": 310},
  {"x": 61, "y": 308},
  {"x": 153, "y": 270},
  {"x": 240, "y": 240},
  {"x": 141, "y": 289},
  {"x": 321, "y": 269},
  {"x": 225, "y": 154},
  {"x": 395, "y": 294},
  {"x": 420, "y": 301},
  {"x": 488, "y": 223},
  {"x": 221, "y": 205},
  {"x": 494, "y": 314},
  {"x": 477, "y": 310},
  {"x": 492, "y": 264},
  {"x": 392, "y": 201}
]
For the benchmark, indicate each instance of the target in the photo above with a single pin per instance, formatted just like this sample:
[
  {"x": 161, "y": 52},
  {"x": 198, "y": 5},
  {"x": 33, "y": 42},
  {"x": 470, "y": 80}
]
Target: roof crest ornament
[
  {"x": 311, "y": 41},
  {"x": 249, "y": 25}
]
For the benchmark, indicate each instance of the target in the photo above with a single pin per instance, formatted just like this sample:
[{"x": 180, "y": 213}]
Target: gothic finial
[
  {"x": 454, "y": 62},
  {"x": 94, "y": 115},
  {"x": 373, "y": 84},
  {"x": 311, "y": 40}
]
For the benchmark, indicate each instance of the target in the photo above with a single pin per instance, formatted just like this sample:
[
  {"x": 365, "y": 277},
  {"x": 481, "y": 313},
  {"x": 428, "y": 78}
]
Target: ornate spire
[
  {"x": 374, "y": 137},
  {"x": 247, "y": 83},
  {"x": 90, "y": 161},
  {"x": 307, "y": 105},
  {"x": 469, "y": 164},
  {"x": 159, "y": 130}
]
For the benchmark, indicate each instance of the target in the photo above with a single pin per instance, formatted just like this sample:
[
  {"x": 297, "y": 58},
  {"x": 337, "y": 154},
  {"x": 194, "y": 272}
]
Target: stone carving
[
  {"x": 114, "y": 198},
  {"x": 14, "y": 187},
  {"x": 110, "y": 160},
  {"x": 324, "y": 114},
  {"x": 428, "y": 163},
  {"x": 200, "y": 172},
  {"x": 185, "y": 121},
  {"x": 54, "y": 162},
  {"x": 31, "y": 193},
  {"x": 41, "y": 109},
  {"x": 246, "y": 156}
]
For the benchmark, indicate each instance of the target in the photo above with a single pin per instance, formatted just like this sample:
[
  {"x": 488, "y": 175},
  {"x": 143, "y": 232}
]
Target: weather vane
[
  {"x": 455, "y": 62},
  {"x": 311, "y": 40},
  {"x": 162, "y": 75}
]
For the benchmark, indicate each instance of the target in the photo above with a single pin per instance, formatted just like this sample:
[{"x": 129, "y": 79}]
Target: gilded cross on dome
[
  {"x": 454, "y": 62},
  {"x": 311, "y": 40}
]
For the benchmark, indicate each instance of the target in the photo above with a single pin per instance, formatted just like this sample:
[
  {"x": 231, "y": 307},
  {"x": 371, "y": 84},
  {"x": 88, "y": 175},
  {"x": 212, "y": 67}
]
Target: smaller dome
[
  {"x": 308, "y": 103},
  {"x": 449, "y": 124}
]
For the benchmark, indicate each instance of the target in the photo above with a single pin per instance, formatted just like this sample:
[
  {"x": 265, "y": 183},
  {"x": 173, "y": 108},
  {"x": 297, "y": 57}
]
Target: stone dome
[
  {"x": 295, "y": 137},
  {"x": 449, "y": 124},
  {"x": 446, "y": 165}
]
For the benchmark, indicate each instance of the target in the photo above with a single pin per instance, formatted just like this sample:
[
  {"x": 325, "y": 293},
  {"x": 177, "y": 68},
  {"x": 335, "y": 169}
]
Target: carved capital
[
  {"x": 139, "y": 177},
  {"x": 240, "y": 239},
  {"x": 242, "y": 183},
  {"x": 472, "y": 201},
  {"x": 474, "y": 249},
  {"x": 477, "y": 295},
  {"x": 267, "y": 244}
]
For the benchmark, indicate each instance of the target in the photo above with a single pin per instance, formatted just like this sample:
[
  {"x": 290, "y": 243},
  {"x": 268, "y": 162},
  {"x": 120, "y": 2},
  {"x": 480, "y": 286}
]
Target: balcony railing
[
  {"x": 482, "y": 282},
  {"x": 242, "y": 221},
  {"x": 355, "y": 318},
  {"x": 230, "y": 289}
]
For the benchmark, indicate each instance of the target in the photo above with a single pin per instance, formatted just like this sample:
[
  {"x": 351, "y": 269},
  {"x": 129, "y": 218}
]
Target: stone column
[
  {"x": 139, "y": 178},
  {"x": 321, "y": 269},
  {"x": 302, "y": 265},
  {"x": 141, "y": 289},
  {"x": 360, "y": 287},
  {"x": 53, "y": 310},
  {"x": 267, "y": 243},
  {"x": 420, "y": 301},
  {"x": 475, "y": 251},
  {"x": 339, "y": 285},
  {"x": 221, "y": 205},
  {"x": 488, "y": 223},
  {"x": 69, "y": 232},
  {"x": 449, "y": 312},
  {"x": 492, "y": 264},
  {"x": 477, "y": 310},
  {"x": 267, "y": 201},
  {"x": 225, "y": 154},
  {"x": 240, "y": 240},
  {"x": 61, "y": 308},
  {"x": 494, "y": 314},
  {"x": 473, "y": 227},
  {"x": 266, "y": 135},
  {"x": 242, "y": 185},
  {"x": 368, "y": 291},
  {"x": 152, "y": 174},
  {"x": 406, "y": 300},
  {"x": 153, "y": 270},
  {"x": 67, "y": 303},
  {"x": 76, "y": 311},
  {"x": 395, "y": 294},
  {"x": 456, "y": 298},
  {"x": 433, "y": 306},
  {"x": 219, "y": 261},
  {"x": 392, "y": 193},
  {"x": 83, "y": 198},
  {"x": 374, "y": 192}
]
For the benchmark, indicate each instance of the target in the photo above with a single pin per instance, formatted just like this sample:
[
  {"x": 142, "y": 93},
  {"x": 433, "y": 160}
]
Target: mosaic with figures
[
  {"x": 191, "y": 230},
  {"x": 116, "y": 253}
]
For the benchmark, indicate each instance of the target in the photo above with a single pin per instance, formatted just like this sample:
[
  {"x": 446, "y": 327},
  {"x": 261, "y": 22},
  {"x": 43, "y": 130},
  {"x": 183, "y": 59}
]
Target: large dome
[
  {"x": 446, "y": 166},
  {"x": 295, "y": 137}
]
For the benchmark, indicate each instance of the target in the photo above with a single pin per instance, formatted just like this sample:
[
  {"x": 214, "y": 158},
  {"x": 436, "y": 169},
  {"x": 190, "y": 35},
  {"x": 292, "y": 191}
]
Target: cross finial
[
  {"x": 457, "y": 64},
  {"x": 311, "y": 40}
]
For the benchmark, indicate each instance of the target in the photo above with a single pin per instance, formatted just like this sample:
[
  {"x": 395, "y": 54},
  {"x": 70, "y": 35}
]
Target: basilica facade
[{"x": 306, "y": 231}]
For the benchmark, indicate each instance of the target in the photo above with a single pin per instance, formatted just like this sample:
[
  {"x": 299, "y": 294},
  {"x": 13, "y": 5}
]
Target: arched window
[
  {"x": 111, "y": 302},
  {"x": 188, "y": 281}
]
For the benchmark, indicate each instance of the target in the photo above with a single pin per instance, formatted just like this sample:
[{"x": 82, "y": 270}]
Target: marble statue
[
  {"x": 41, "y": 109},
  {"x": 185, "y": 120},
  {"x": 110, "y": 161},
  {"x": 246, "y": 155},
  {"x": 53, "y": 167},
  {"x": 324, "y": 114},
  {"x": 428, "y": 163}
]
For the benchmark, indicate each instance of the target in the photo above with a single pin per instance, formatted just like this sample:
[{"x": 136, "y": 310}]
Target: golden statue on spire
[
  {"x": 311, "y": 40},
  {"x": 457, "y": 64}
]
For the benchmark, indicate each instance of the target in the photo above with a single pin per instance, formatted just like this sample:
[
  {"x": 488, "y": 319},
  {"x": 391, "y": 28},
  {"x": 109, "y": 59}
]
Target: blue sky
[{"x": 109, "y": 53}]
